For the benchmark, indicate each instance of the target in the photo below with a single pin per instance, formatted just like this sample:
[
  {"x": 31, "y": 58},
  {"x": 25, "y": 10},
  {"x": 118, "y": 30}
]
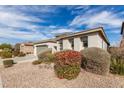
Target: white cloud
[
  {"x": 11, "y": 33},
  {"x": 31, "y": 8},
  {"x": 52, "y": 26},
  {"x": 82, "y": 7},
  {"x": 11, "y": 24},
  {"x": 17, "y": 20},
  {"x": 61, "y": 30},
  {"x": 12, "y": 18},
  {"x": 98, "y": 19}
]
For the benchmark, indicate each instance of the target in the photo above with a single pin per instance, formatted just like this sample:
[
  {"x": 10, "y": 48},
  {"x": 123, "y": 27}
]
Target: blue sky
[{"x": 34, "y": 23}]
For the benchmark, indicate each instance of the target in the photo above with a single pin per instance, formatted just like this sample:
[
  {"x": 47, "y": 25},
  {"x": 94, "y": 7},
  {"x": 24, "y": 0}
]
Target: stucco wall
[
  {"x": 66, "y": 44},
  {"x": 94, "y": 40},
  {"x": 78, "y": 45},
  {"x": 58, "y": 46},
  {"x": 52, "y": 46},
  {"x": 101, "y": 43}
]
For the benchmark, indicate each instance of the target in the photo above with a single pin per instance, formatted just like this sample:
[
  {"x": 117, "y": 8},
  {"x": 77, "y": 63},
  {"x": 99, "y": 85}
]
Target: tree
[{"x": 4, "y": 45}]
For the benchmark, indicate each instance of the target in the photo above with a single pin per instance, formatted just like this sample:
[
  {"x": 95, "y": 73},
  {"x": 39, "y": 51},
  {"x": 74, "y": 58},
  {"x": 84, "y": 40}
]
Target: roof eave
[
  {"x": 91, "y": 31},
  {"x": 105, "y": 36},
  {"x": 45, "y": 41}
]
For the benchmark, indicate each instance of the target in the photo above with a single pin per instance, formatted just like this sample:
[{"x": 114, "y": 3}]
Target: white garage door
[{"x": 41, "y": 48}]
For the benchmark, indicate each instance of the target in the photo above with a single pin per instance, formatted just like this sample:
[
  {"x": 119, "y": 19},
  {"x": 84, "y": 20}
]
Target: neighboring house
[
  {"x": 27, "y": 48},
  {"x": 75, "y": 41},
  {"x": 122, "y": 33}
]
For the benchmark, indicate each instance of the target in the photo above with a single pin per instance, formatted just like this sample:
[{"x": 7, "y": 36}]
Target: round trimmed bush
[
  {"x": 46, "y": 57},
  {"x": 96, "y": 60},
  {"x": 67, "y": 64}
]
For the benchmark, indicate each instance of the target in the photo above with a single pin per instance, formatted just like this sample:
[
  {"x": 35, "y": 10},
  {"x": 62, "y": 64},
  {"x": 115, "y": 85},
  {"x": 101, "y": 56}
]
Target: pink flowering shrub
[
  {"x": 68, "y": 57},
  {"x": 67, "y": 64}
]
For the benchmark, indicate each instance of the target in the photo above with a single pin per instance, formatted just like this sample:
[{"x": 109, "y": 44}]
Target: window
[
  {"x": 61, "y": 45},
  {"x": 84, "y": 41},
  {"x": 72, "y": 43}
]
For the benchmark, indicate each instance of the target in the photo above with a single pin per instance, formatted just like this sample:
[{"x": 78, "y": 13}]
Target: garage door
[{"x": 41, "y": 48}]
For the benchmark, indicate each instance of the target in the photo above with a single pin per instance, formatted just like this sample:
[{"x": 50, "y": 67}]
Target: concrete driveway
[{"x": 27, "y": 58}]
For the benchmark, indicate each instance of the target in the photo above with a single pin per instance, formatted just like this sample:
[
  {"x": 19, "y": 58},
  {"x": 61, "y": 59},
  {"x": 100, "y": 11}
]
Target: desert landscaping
[
  {"x": 47, "y": 73},
  {"x": 74, "y": 59},
  {"x": 90, "y": 68},
  {"x": 26, "y": 75}
]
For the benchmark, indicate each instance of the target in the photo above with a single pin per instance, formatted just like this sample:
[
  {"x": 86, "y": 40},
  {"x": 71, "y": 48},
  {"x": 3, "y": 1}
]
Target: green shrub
[
  {"x": 117, "y": 66},
  {"x": 96, "y": 60},
  {"x": 8, "y": 63},
  {"x": 6, "y": 54},
  {"x": 4, "y": 45},
  {"x": 46, "y": 57},
  {"x": 21, "y": 54},
  {"x": 68, "y": 72},
  {"x": 117, "y": 60},
  {"x": 67, "y": 64},
  {"x": 36, "y": 62}
]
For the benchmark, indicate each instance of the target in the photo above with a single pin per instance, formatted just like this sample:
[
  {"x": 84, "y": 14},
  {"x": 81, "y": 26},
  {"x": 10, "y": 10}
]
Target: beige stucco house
[
  {"x": 74, "y": 41},
  {"x": 122, "y": 33},
  {"x": 27, "y": 48}
]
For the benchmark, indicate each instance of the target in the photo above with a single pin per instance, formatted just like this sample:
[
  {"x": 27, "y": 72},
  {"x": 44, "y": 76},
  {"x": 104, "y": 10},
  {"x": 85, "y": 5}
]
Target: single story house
[
  {"x": 27, "y": 48},
  {"x": 122, "y": 33},
  {"x": 74, "y": 41}
]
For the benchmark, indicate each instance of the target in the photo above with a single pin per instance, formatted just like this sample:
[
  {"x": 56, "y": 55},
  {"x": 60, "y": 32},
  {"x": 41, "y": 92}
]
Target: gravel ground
[{"x": 26, "y": 75}]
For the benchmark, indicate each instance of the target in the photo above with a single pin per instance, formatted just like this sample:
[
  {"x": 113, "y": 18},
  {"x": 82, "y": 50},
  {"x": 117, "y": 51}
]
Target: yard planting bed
[{"x": 26, "y": 75}]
